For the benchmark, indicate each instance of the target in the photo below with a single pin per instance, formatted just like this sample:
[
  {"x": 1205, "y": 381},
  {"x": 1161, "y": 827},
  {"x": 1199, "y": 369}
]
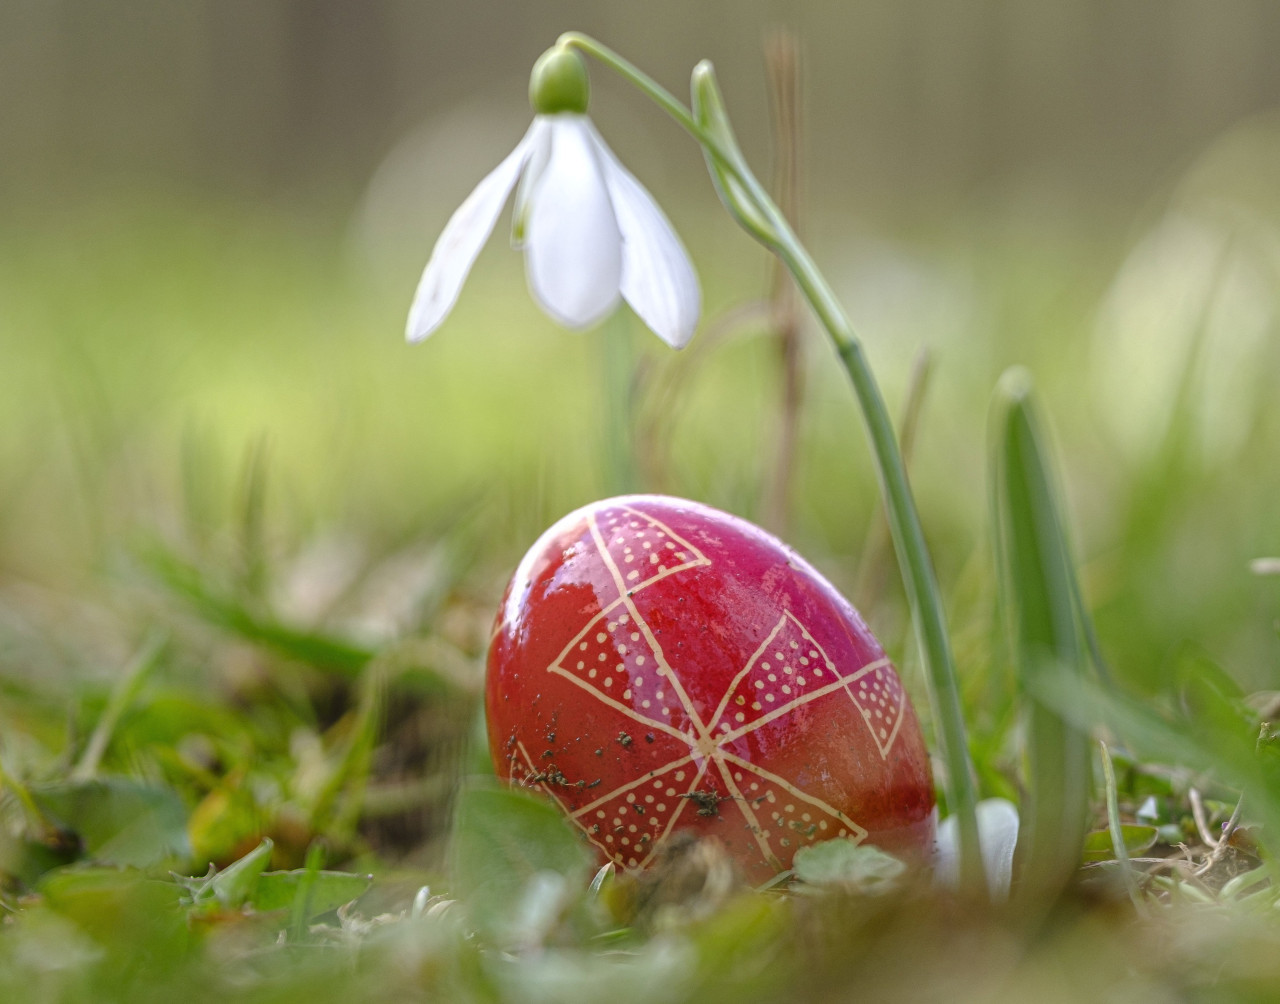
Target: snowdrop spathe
[{"x": 590, "y": 232}]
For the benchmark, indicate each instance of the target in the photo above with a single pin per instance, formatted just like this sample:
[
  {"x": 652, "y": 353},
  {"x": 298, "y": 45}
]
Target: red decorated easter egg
[{"x": 658, "y": 665}]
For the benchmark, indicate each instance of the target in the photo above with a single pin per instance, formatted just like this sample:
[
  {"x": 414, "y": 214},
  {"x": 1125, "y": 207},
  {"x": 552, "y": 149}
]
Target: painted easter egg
[{"x": 658, "y": 665}]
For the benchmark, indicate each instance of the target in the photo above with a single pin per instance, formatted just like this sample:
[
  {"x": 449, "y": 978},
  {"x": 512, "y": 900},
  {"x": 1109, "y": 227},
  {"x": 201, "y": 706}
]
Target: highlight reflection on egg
[{"x": 658, "y": 665}]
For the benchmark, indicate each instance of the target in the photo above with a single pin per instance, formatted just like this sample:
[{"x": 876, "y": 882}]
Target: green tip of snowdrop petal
[{"x": 559, "y": 83}]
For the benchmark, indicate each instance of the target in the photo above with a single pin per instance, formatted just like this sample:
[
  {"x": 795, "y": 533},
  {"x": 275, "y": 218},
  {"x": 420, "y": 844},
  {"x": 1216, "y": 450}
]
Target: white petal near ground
[
  {"x": 573, "y": 244},
  {"x": 658, "y": 280},
  {"x": 461, "y": 240},
  {"x": 997, "y": 836}
]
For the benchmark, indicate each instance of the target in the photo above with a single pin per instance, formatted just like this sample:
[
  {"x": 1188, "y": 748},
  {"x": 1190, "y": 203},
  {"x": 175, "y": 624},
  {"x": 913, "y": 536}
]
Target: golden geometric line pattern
[
  {"x": 665, "y": 671},
  {"x": 749, "y": 812},
  {"x": 630, "y": 821},
  {"x": 640, "y": 549},
  {"x": 619, "y": 706},
  {"x": 823, "y": 691},
  {"x": 780, "y": 671},
  {"x": 686, "y": 761},
  {"x": 601, "y": 652},
  {"x": 533, "y": 771},
  {"x": 801, "y": 663},
  {"x": 702, "y": 752},
  {"x": 880, "y": 704},
  {"x": 600, "y": 636},
  {"x": 693, "y": 786},
  {"x": 764, "y": 647},
  {"x": 664, "y": 668},
  {"x": 857, "y": 833},
  {"x": 577, "y": 638}
]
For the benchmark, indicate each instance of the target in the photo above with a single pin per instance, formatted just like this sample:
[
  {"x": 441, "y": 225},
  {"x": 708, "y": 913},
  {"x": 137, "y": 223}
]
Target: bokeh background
[{"x": 213, "y": 214}]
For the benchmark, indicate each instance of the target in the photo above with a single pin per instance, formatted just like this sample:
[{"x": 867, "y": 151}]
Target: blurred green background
[{"x": 213, "y": 214}]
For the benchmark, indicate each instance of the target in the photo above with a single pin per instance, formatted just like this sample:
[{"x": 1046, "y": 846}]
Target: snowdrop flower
[
  {"x": 997, "y": 838},
  {"x": 589, "y": 230}
]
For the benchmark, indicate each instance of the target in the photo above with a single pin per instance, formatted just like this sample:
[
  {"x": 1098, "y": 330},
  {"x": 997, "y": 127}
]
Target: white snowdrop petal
[
  {"x": 998, "y": 826},
  {"x": 658, "y": 279},
  {"x": 539, "y": 154},
  {"x": 573, "y": 251},
  {"x": 997, "y": 837},
  {"x": 461, "y": 240}
]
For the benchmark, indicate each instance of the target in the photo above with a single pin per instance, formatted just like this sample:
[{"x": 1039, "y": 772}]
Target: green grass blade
[
  {"x": 122, "y": 695},
  {"x": 1039, "y": 594},
  {"x": 219, "y": 608},
  {"x": 1229, "y": 754},
  {"x": 1116, "y": 828}
]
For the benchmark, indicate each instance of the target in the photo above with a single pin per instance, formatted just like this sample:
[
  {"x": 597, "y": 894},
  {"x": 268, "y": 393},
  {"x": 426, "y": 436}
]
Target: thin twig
[
  {"x": 1202, "y": 823},
  {"x": 663, "y": 402},
  {"x": 1218, "y": 847},
  {"x": 782, "y": 57}
]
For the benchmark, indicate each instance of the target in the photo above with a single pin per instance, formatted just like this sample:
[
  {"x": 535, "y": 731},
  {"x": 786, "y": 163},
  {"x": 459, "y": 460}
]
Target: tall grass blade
[
  {"x": 1039, "y": 596},
  {"x": 1116, "y": 828}
]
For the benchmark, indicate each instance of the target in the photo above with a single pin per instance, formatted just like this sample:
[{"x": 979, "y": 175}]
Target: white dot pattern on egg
[
  {"x": 782, "y": 815},
  {"x": 641, "y": 549},
  {"x": 787, "y": 668},
  {"x": 702, "y": 722},
  {"x": 614, "y": 656},
  {"x": 880, "y": 698},
  {"x": 628, "y": 821}
]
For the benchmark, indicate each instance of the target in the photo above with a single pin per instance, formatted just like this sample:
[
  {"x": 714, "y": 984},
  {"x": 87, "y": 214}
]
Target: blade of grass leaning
[
  {"x": 340, "y": 802},
  {"x": 122, "y": 695},
  {"x": 1118, "y": 846},
  {"x": 1231, "y": 756},
  {"x": 1038, "y": 595},
  {"x": 252, "y": 512},
  {"x": 300, "y": 909},
  {"x": 215, "y": 606}
]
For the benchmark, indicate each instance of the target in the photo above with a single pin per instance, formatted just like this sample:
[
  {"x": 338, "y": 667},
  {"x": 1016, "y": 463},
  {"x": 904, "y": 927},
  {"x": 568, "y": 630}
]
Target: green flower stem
[
  {"x": 667, "y": 101},
  {"x": 904, "y": 522}
]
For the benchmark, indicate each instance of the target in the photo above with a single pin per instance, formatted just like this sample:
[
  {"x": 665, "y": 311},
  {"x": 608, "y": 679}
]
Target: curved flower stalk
[
  {"x": 593, "y": 234},
  {"x": 750, "y": 205},
  {"x": 590, "y": 232}
]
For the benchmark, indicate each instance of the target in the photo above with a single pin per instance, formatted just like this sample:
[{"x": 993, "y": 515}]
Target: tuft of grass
[{"x": 251, "y": 547}]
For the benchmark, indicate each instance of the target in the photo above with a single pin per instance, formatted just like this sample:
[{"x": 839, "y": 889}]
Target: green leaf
[
  {"x": 122, "y": 696},
  {"x": 236, "y": 883},
  {"x": 1137, "y": 838},
  {"x": 726, "y": 160},
  {"x": 1209, "y": 697},
  {"x": 842, "y": 864},
  {"x": 327, "y": 890},
  {"x": 139, "y": 919},
  {"x": 502, "y": 840},
  {"x": 119, "y": 821},
  {"x": 1039, "y": 593}
]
